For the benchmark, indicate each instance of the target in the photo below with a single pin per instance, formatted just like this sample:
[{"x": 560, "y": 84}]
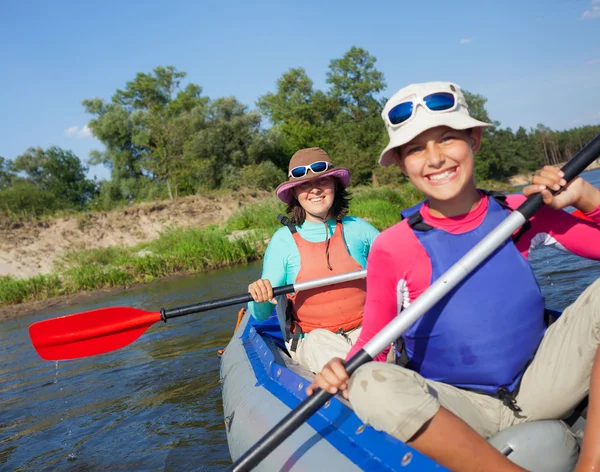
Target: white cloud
[
  {"x": 71, "y": 131},
  {"x": 465, "y": 41},
  {"x": 593, "y": 12},
  {"x": 79, "y": 133},
  {"x": 85, "y": 132},
  {"x": 593, "y": 61}
]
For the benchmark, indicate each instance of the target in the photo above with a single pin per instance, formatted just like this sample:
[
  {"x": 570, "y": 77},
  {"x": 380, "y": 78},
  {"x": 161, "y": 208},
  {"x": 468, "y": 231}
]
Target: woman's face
[
  {"x": 316, "y": 197},
  {"x": 439, "y": 161}
]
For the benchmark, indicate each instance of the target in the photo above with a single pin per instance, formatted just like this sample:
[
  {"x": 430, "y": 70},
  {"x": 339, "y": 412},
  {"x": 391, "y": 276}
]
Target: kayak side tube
[{"x": 259, "y": 389}]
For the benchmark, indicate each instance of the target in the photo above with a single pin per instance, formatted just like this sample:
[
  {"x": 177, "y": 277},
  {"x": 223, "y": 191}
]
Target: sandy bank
[{"x": 31, "y": 248}]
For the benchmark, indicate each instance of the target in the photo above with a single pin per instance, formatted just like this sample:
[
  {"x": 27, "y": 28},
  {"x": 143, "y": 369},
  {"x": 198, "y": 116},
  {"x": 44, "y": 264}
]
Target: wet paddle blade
[{"x": 89, "y": 333}]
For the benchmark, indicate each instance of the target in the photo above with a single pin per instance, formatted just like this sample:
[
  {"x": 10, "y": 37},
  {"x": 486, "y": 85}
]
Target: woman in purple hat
[{"x": 317, "y": 240}]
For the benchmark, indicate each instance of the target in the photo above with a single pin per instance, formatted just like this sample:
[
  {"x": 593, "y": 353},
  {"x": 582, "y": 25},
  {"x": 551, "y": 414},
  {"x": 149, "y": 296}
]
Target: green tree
[
  {"x": 301, "y": 115},
  {"x": 114, "y": 128},
  {"x": 355, "y": 84},
  {"x": 146, "y": 126},
  {"x": 6, "y": 173},
  {"x": 489, "y": 162},
  {"x": 223, "y": 144},
  {"x": 267, "y": 145},
  {"x": 292, "y": 100},
  {"x": 477, "y": 110},
  {"x": 358, "y": 130},
  {"x": 58, "y": 172}
]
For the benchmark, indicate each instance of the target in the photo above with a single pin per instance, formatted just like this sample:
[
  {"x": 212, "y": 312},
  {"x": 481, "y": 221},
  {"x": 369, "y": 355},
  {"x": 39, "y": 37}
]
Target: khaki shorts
[
  {"x": 319, "y": 346},
  {"x": 400, "y": 401}
]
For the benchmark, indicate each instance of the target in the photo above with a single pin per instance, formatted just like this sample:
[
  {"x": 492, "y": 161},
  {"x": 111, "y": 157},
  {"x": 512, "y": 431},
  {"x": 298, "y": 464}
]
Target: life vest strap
[
  {"x": 501, "y": 200},
  {"x": 415, "y": 220},
  {"x": 284, "y": 220}
]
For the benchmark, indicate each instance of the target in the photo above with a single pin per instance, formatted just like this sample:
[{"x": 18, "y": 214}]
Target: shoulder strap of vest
[
  {"x": 499, "y": 197},
  {"x": 501, "y": 200},
  {"x": 404, "y": 214},
  {"x": 284, "y": 220},
  {"x": 415, "y": 221}
]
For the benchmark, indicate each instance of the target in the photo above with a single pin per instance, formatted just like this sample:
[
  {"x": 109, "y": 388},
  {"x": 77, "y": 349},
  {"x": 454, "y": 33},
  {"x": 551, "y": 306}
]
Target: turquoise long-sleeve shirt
[{"x": 282, "y": 259}]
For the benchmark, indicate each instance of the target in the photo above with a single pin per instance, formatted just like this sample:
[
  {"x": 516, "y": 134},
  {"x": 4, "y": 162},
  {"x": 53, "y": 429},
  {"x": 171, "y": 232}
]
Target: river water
[{"x": 156, "y": 404}]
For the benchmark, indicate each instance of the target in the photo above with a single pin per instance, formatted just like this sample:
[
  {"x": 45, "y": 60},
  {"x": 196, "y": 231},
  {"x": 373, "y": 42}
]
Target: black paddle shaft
[
  {"x": 299, "y": 415},
  {"x": 220, "y": 303}
]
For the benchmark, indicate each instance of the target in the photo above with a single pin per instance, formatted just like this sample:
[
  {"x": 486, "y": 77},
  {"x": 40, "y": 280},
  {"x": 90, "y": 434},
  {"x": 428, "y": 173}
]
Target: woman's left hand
[{"x": 579, "y": 193}]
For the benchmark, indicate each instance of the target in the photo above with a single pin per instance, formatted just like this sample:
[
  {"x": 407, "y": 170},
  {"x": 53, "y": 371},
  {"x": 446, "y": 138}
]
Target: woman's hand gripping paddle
[{"x": 108, "y": 329}]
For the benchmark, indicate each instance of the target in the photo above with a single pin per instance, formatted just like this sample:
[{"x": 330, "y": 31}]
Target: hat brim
[
  {"x": 419, "y": 124},
  {"x": 286, "y": 195}
]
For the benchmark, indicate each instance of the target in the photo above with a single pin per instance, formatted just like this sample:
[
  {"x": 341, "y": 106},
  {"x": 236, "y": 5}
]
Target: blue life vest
[{"x": 483, "y": 334}]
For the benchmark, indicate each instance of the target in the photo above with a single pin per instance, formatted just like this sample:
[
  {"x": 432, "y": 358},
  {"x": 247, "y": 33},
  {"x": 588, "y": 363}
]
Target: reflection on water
[{"x": 156, "y": 404}]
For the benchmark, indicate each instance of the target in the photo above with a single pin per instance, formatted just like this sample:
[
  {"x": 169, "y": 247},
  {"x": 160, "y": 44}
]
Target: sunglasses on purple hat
[{"x": 316, "y": 168}]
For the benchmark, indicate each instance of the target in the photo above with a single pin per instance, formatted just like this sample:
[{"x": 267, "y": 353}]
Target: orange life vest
[{"x": 334, "y": 307}]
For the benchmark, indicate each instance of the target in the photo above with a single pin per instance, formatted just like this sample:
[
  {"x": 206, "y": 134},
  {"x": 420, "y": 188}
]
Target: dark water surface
[
  {"x": 153, "y": 405},
  {"x": 156, "y": 404}
]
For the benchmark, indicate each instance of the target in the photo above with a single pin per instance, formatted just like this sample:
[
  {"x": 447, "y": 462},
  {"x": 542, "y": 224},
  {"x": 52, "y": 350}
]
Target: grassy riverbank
[
  {"x": 242, "y": 238},
  {"x": 176, "y": 251}
]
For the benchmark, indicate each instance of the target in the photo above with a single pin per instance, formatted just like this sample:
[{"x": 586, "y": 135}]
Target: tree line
[{"x": 164, "y": 140}]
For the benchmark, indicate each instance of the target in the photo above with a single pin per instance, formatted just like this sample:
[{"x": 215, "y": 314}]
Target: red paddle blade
[{"x": 90, "y": 332}]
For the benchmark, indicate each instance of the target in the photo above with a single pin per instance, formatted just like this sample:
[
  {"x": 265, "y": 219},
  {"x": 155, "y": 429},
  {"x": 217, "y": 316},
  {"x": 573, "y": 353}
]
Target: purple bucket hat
[{"x": 306, "y": 157}]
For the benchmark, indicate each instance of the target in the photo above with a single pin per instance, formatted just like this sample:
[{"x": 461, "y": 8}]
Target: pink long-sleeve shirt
[{"x": 399, "y": 268}]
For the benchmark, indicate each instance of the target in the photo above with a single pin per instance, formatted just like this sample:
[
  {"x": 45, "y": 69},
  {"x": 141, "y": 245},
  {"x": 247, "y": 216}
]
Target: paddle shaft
[
  {"x": 393, "y": 330},
  {"x": 107, "y": 329},
  {"x": 246, "y": 297}
]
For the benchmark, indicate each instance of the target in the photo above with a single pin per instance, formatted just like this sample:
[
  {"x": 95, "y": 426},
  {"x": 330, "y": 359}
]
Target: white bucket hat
[{"x": 422, "y": 118}]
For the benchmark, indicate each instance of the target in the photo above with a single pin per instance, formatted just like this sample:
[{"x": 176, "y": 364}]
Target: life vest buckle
[
  {"x": 508, "y": 399},
  {"x": 341, "y": 332}
]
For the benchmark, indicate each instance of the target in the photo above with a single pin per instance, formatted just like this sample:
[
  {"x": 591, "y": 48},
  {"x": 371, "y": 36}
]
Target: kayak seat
[{"x": 539, "y": 446}]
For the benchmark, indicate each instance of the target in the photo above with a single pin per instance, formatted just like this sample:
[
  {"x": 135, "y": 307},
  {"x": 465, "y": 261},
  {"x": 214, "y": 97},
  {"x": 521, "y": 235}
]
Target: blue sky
[{"x": 535, "y": 61}]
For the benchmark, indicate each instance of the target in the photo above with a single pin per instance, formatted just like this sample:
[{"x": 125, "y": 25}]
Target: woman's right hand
[
  {"x": 332, "y": 378},
  {"x": 262, "y": 291}
]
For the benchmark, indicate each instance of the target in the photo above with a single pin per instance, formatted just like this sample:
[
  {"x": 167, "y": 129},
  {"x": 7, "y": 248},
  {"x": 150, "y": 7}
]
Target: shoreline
[
  {"x": 525, "y": 179},
  {"x": 15, "y": 310},
  {"x": 8, "y": 312}
]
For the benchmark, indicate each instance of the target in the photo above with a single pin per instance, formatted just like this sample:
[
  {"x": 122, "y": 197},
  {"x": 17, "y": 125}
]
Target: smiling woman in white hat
[
  {"x": 482, "y": 359},
  {"x": 317, "y": 240}
]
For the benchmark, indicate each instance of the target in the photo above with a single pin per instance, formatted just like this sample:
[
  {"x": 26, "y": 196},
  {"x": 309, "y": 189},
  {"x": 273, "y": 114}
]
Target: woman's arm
[
  {"x": 274, "y": 270},
  {"x": 389, "y": 266},
  {"x": 552, "y": 225}
]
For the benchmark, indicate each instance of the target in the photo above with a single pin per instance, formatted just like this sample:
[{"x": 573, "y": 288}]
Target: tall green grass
[
  {"x": 381, "y": 206},
  {"x": 175, "y": 251},
  {"x": 259, "y": 216},
  {"x": 39, "y": 287}
]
